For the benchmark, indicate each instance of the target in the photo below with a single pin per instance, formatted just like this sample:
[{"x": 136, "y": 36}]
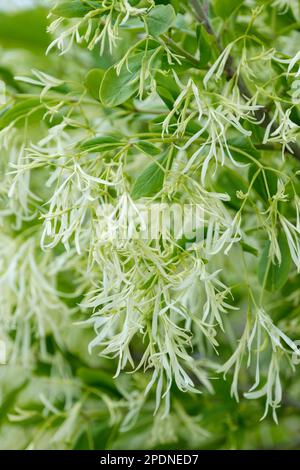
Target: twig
[{"x": 261, "y": 115}]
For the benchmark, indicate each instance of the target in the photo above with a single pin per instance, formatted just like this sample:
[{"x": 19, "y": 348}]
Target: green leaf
[
  {"x": 248, "y": 248},
  {"x": 116, "y": 89},
  {"x": 93, "y": 80},
  {"x": 99, "y": 378},
  {"x": 7, "y": 76},
  {"x": 229, "y": 181},
  {"x": 166, "y": 96},
  {"x": 19, "y": 111},
  {"x": 160, "y": 19},
  {"x": 151, "y": 180},
  {"x": 174, "y": 3},
  {"x": 74, "y": 8},
  {"x": 148, "y": 148},
  {"x": 225, "y": 8},
  {"x": 167, "y": 81},
  {"x": 265, "y": 187},
  {"x": 205, "y": 42},
  {"x": 243, "y": 150},
  {"x": 167, "y": 88},
  {"x": 100, "y": 144},
  {"x": 275, "y": 275}
]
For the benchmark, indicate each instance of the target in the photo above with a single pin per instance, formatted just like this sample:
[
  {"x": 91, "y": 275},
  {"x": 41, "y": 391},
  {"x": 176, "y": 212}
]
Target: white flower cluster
[
  {"x": 31, "y": 304},
  {"x": 97, "y": 30},
  {"x": 155, "y": 304},
  {"x": 259, "y": 332}
]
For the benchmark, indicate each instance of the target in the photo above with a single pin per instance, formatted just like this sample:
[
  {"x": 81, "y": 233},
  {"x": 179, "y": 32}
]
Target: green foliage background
[{"x": 55, "y": 391}]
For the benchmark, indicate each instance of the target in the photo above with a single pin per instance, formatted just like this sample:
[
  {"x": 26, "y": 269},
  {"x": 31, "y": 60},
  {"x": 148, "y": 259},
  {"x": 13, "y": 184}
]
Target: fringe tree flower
[{"x": 150, "y": 227}]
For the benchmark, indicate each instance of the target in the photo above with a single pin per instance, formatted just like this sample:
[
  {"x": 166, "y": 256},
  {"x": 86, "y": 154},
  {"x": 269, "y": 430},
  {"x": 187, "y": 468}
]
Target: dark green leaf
[
  {"x": 7, "y": 76},
  {"x": 243, "y": 150},
  {"x": 174, "y": 3},
  {"x": 151, "y": 180},
  {"x": 167, "y": 81},
  {"x": 264, "y": 186},
  {"x": 100, "y": 144},
  {"x": 99, "y": 378},
  {"x": 167, "y": 88},
  {"x": 274, "y": 276},
  {"x": 205, "y": 42},
  {"x": 229, "y": 181},
  {"x": 166, "y": 96},
  {"x": 248, "y": 248},
  {"x": 148, "y": 147}
]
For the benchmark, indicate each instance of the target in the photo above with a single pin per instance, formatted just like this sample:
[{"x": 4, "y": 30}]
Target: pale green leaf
[{"x": 160, "y": 19}]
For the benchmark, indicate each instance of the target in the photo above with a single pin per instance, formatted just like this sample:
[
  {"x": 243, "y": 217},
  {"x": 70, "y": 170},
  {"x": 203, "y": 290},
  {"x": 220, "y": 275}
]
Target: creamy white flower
[
  {"x": 30, "y": 300},
  {"x": 259, "y": 331},
  {"x": 285, "y": 132},
  {"x": 43, "y": 80}
]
